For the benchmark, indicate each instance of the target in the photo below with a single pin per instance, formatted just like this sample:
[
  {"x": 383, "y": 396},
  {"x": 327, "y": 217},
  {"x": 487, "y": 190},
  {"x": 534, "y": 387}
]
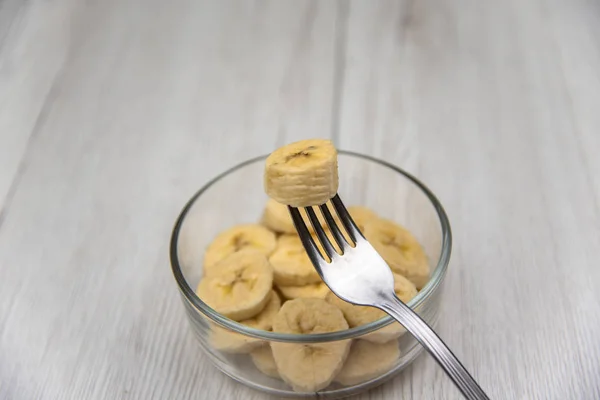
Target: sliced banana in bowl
[
  {"x": 240, "y": 285},
  {"x": 264, "y": 319},
  {"x": 362, "y": 315},
  {"x": 291, "y": 265},
  {"x": 250, "y": 269},
  {"x": 362, "y": 216},
  {"x": 309, "y": 367},
  {"x": 406, "y": 291},
  {"x": 238, "y": 238},
  {"x": 367, "y": 361},
  {"x": 317, "y": 290},
  {"x": 231, "y": 342},
  {"x": 276, "y": 217},
  {"x": 400, "y": 249},
  {"x": 263, "y": 359}
]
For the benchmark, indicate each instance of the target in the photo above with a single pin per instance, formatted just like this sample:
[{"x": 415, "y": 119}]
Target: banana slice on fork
[{"x": 303, "y": 173}]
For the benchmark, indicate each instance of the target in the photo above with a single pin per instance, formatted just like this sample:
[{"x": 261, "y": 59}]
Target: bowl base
[{"x": 407, "y": 359}]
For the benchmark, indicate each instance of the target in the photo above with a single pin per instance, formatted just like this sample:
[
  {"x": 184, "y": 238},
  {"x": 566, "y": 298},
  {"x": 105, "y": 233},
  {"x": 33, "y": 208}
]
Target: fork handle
[{"x": 436, "y": 347}]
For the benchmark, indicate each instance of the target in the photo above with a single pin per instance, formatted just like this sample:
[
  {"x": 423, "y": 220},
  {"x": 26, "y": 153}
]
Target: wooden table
[{"x": 112, "y": 113}]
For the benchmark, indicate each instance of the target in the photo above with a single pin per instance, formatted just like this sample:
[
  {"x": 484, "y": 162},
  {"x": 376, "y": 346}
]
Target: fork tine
[
  {"x": 346, "y": 219},
  {"x": 335, "y": 231},
  {"x": 327, "y": 246},
  {"x": 306, "y": 238}
]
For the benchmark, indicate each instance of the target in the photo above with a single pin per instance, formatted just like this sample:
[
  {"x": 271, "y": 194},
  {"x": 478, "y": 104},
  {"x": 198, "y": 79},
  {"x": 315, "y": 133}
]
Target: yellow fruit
[
  {"x": 239, "y": 286},
  {"x": 237, "y": 238},
  {"x": 362, "y": 315},
  {"x": 367, "y": 361},
  {"x": 313, "y": 290},
  {"x": 277, "y": 218},
  {"x": 405, "y": 290},
  {"x": 303, "y": 173},
  {"x": 233, "y": 342},
  {"x": 264, "y": 361},
  {"x": 399, "y": 248},
  {"x": 362, "y": 216},
  {"x": 291, "y": 265},
  {"x": 309, "y": 367}
]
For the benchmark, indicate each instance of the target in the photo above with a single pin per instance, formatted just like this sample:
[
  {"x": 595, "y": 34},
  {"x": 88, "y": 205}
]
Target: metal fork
[{"x": 360, "y": 276}]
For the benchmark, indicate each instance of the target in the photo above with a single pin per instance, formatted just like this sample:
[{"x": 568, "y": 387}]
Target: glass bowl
[{"x": 236, "y": 197}]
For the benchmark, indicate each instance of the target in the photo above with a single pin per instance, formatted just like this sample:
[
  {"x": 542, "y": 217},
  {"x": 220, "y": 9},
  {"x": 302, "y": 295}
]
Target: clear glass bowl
[{"x": 237, "y": 196}]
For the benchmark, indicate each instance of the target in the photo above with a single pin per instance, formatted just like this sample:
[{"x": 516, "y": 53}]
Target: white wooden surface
[{"x": 113, "y": 112}]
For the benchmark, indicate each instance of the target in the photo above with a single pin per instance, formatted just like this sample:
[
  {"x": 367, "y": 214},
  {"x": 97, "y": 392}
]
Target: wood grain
[
  {"x": 485, "y": 116},
  {"x": 34, "y": 37},
  {"x": 152, "y": 101},
  {"x": 113, "y": 113}
]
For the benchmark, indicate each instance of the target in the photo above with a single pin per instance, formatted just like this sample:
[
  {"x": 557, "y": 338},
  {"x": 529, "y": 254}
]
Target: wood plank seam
[
  {"x": 37, "y": 126},
  {"x": 339, "y": 67}
]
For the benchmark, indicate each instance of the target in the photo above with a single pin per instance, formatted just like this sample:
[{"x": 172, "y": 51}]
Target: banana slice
[
  {"x": 240, "y": 237},
  {"x": 367, "y": 361},
  {"x": 264, "y": 361},
  {"x": 361, "y": 315},
  {"x": 239, "y": 286},
  {"x": 277, "y": 218},
  {"x": 405, "y": 290},
  {"x": 362, "y": 216},
  {"x": 291, "y": 265},
  {"x": 399, "y": 248},
  {"x": 311, "y": 291},
  {"x": 233, "y": 342},
  {"x": 264, "y": 319},
  {"x": 309, "y": 367},
  {"x": 303, "y": 173},
  {"x": 355, "y": 315}
]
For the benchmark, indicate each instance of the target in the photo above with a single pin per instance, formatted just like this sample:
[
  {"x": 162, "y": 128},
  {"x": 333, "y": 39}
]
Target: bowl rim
[{"x": 426, "y": 292}]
